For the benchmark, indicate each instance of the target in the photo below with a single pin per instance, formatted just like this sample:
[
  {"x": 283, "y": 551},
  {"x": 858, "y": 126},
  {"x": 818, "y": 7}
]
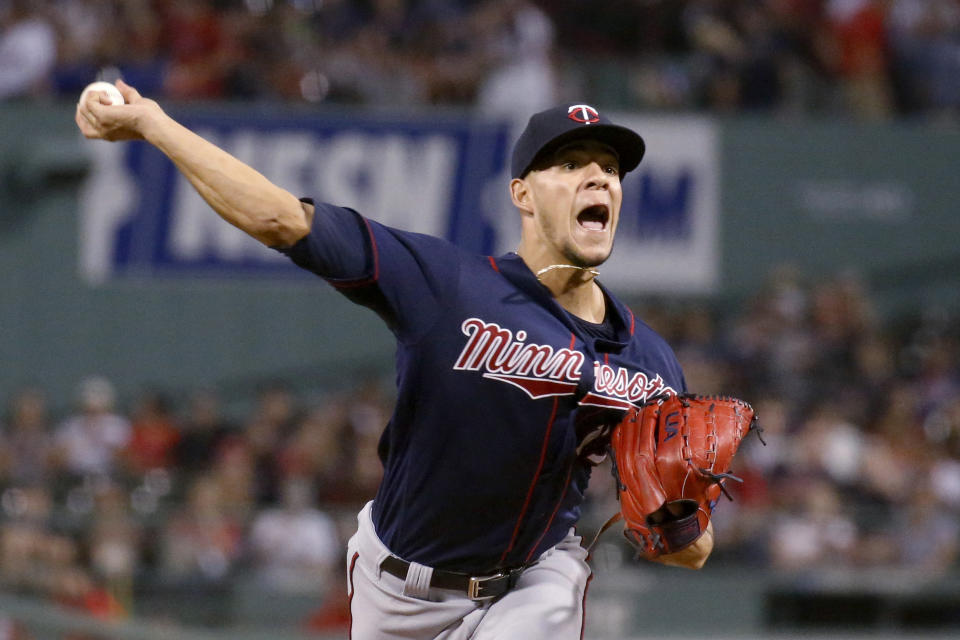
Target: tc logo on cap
[{"x": 583, "y": 113}]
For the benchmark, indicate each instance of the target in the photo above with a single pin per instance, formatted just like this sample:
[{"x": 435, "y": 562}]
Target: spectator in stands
[
  {"x": 925, "y": 49},
  {"x": 517, "y": 44},
  {"x": 295, "y": 546},
  {"x": 90, "y": 37},
  {"x": 935, "y": 353},
  {"x": 320, "y": 448},
  {"x": 862, "y": 56},
  {"x": 700, "y": 349},
  {"x": 26, "y": 442},
  {"x": 199, "y": 47},
  {"x": 27, "y": 548},
  {"x": 201, "y": 541},
  {"x": 204, "y": 431},
  {"x": 235, "y": 473},
  {"x": 155, "y": 435},
  {"x": 942, "y": 428},
  {"x": 811, "y": 530},
  {"x": 28, "y": 49},
  {"x": 773, "y": 342},
  {"x": 894, "y": 451},
  {"x": 273, "y": 420},
  {"x": 926, "y": 534},
  {"x": 369, "y": 412},
  {"x": 11, "y": 629},
  {"x": 106, "y": 40},
  {"x": 89, "y": 441},
  {"x": 113, "y": 542}
]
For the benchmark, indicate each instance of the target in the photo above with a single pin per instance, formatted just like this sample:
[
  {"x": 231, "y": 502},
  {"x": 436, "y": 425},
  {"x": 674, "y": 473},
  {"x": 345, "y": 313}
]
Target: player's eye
[
  {"x": 612, "y": 170},
  {"x": 569, "y": 165}
]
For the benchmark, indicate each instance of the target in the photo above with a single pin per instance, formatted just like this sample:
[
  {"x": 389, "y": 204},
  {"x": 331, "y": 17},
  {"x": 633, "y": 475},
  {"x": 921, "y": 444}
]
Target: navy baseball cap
[{"x": 549, "y": 130}]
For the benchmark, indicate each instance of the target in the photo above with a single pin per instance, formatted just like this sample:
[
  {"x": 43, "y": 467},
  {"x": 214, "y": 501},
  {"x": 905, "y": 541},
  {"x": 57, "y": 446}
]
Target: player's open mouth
[{"x": 594, "y": 218}]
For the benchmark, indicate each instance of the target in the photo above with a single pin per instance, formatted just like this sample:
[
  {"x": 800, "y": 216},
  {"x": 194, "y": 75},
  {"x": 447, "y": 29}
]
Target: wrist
[{"x": 152, "y": 125}]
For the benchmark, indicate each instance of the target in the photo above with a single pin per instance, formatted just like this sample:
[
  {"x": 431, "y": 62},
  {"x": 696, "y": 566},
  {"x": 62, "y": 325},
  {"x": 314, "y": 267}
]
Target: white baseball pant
[{"x": 546, "y": 603}]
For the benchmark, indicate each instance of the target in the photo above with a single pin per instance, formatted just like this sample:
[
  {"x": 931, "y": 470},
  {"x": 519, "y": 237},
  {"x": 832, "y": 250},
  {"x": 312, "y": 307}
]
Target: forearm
[{"x": 238, "y": 193}]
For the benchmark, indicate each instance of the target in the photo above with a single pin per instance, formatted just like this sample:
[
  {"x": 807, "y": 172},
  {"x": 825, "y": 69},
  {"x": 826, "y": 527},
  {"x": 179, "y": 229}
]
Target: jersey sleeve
[
  {"x": 402, "y": 276},
  {"x": 336, "y": 248}
]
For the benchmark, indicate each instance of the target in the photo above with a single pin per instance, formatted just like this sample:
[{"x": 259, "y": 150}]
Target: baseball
[{"x": 112, "y": 92}]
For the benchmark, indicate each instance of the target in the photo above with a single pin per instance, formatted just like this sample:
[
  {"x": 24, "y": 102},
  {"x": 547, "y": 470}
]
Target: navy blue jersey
[{"x": 504, "y": 400}]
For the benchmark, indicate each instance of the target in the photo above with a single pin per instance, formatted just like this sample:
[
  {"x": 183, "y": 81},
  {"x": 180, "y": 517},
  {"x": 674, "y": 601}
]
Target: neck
[
  {"x": 584, "y": 301},
  {"x": 573, "y": 287}
]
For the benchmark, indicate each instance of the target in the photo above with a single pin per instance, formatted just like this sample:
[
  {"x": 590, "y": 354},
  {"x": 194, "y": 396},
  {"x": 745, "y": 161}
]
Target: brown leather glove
[{"x": 672, "y": 457}]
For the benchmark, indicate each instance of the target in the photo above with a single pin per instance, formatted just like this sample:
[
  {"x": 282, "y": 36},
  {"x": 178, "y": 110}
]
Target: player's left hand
[
  {"x": 672, "y": 457},
  {"x": 692, "y": 557},
  {"x": 100, "y": 120}
]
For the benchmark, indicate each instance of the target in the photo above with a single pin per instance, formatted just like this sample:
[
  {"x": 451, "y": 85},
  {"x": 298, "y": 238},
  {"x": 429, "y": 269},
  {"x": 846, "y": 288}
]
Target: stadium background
[{"x": 803, "y": 150}]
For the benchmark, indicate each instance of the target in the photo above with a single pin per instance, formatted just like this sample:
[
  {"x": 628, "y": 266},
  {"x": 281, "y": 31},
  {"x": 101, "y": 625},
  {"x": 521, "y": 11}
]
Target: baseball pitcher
[{"x": 513, "y": 371}]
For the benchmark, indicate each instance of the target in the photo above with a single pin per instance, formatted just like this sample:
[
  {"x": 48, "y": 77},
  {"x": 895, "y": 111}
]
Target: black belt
[{"x": 476, "y": 587}]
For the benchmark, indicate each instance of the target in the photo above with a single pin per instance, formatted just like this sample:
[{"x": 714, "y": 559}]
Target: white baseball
[{"x": 113, "y": 94}]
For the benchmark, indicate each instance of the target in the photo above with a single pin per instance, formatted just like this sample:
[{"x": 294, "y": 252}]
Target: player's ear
[{"x": 520, "y": 195}]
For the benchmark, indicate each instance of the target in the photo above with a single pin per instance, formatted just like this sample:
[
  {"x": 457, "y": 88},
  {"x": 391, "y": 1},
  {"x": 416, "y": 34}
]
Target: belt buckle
[{"x": 476, "y": 584}]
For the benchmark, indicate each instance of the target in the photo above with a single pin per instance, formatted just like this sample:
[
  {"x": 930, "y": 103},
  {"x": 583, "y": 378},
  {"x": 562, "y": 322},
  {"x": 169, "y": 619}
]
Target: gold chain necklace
[{"x": 589, "y": 270}]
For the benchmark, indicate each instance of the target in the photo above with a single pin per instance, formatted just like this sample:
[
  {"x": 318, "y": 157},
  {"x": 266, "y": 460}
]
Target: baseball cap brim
[{"x": 627, "y": 144}]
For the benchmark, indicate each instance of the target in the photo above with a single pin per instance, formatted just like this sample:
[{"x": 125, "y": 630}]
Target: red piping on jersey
[
  {"x": 353, "y": 564},
  {"x": 633, "y": 320},
  {"x": 566, "y": 486},
  {"x": 583, "y": 605},
  {"x": 376, "y": 264},
  {"x": 526, "y": 501},
  {"x": 493, "y": 263},
  {"x": 536, "y": 476}
]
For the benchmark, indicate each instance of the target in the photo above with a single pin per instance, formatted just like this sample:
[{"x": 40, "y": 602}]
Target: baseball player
[{"x": 511, "y": 371}]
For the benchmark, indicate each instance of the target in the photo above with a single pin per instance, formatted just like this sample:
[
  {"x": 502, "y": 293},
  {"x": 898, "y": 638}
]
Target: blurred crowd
[
  {"x": 102, "y": 501},
  {"x": 868, "y": 59},
  {"x": 861, "y": 418}
]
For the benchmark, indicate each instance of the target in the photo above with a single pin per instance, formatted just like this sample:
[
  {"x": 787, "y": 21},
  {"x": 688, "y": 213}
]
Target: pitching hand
[{"x": 100, "y": 120}]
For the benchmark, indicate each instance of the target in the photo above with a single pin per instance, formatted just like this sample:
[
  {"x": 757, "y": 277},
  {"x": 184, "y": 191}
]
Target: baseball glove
[{"x": 671, "y": 459}]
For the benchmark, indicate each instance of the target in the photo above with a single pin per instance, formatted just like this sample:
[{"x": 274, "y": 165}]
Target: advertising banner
[{"x": 444, "y": 176}]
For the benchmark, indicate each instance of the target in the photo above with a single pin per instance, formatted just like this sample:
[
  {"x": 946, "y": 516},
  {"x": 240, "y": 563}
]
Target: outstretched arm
[{"x": 238, "y": 193}]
